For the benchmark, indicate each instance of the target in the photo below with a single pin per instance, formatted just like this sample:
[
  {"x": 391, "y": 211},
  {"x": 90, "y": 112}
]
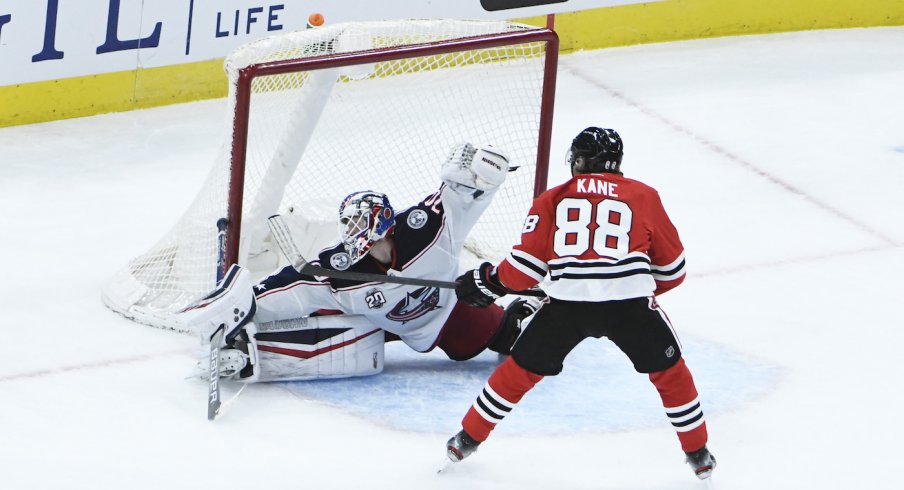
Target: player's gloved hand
[{"x": 479, "y": 287}]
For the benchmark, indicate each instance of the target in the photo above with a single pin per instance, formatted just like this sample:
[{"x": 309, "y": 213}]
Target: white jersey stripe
[
  {"x": 669, "y": 277},
  {"x": 604, "y": 268},
  {"x": 489, "y": 417},
  {"x": 688, "y": 428},
  {"x": 630, "y": 257},
  {"x": 617, "y": 270},
  {"x": 498, "y": 399},
  {"x": 669, "y": 272},
  {"x": 527, "y": 265},
  {"x": 684, "y": 418},
  {"x": 522, "y": 256},
  {"x": 667, "y": 267}
]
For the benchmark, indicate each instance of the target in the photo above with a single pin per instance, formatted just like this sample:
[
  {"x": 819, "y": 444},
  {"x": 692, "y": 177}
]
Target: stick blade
[
  {"x": 284, "y": 241},
  {"x": 213, "y": 386}
]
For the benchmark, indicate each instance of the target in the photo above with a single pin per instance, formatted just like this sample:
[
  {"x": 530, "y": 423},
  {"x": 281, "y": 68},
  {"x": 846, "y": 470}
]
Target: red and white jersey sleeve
[{"x": 597, "y": 237}]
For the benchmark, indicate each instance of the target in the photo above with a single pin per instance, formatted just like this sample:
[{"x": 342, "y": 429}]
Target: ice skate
[
  {"x": 232, "y": 361},
  {"x": 460, "y": 446},
  {"x": 702, "y": 462}
]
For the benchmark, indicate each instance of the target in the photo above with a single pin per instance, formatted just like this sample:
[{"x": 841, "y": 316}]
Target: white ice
[{"x": 781, "y": 160}]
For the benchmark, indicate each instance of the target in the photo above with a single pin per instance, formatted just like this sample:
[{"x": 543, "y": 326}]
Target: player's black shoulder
[
  {"x": 288, "y": 275},
  {"x": 416, "y": 229},
  {"x": 336, "y": 258}
]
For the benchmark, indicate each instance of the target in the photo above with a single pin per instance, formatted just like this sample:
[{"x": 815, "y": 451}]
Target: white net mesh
[{"x": 316, "y": 136}]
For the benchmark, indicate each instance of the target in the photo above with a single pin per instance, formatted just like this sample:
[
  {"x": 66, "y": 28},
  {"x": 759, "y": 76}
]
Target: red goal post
[{"x": 320, "y": 113}]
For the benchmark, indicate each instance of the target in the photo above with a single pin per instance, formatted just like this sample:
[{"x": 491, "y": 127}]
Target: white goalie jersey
[{"x": 428, "y": 240}]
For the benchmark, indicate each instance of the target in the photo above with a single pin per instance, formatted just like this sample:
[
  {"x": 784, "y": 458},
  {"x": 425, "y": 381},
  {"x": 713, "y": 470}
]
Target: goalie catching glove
[
  {"x": 481, "y": 168},
  {"x": 480, "y": 287}
]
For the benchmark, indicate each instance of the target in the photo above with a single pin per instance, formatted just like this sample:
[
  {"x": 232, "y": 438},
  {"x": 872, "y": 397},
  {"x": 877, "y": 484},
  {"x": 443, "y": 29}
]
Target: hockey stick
[
  {"x": 215, "y": 404},
  {"x": 221, "y": 249},
  {"x": 290, "y": 250},
  {"x": 213, "y": 387}
]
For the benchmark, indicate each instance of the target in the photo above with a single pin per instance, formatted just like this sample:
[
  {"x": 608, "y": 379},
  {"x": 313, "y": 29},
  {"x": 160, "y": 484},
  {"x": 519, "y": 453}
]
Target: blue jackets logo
[{"x": 415, "y": 305}]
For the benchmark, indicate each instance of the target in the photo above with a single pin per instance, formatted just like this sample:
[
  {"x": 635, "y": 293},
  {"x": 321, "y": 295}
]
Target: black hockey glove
[{"x": 479, "y": 287}]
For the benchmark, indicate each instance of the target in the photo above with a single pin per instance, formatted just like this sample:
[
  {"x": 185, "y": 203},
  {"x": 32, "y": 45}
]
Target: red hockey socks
[
  {"x": 508, "y": 383},
  {"x": 679, "y": 397}
]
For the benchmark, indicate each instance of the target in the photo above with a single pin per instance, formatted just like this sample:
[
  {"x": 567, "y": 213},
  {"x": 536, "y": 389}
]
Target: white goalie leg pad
[
  {"x": 336, "y": 346},
  {"x": 232, "y": 304}
]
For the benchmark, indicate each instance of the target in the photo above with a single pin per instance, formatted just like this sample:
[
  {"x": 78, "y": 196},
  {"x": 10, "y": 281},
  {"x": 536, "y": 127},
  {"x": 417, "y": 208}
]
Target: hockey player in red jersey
[{"x": 608, "y": 248}]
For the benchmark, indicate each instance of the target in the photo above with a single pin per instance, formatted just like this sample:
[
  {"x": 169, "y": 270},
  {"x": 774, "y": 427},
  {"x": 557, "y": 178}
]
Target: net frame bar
[{"x": 247, "y": 75}]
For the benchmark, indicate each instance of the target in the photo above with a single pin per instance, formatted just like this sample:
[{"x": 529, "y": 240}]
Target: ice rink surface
[{"x": 780, "y": 159}]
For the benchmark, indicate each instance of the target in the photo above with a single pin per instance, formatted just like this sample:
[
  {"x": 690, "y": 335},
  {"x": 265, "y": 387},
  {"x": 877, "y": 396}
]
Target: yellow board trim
[
  {"x": 677, "y": 20},
  {"x": 670, "y": 20},
  {"x": 111, "y": 92}
]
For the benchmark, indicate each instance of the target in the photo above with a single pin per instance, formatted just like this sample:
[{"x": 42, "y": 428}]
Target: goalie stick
[
  {"x": 290, "y": 250},
  {"x": 215, "y": 404},
  {"x": 221, "y": 248},
  {"x": 213, "y": 387}
]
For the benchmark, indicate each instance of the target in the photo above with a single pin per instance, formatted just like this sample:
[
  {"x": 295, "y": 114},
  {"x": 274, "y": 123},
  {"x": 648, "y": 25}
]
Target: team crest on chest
[
  {"x": 415, "y": 305},
  {"x": 417, "y": 219},
  {"x": 340, "y": 261}
]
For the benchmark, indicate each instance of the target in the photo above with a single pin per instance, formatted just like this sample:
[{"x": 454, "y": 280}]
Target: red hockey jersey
[{"x": 600, "y": 237}]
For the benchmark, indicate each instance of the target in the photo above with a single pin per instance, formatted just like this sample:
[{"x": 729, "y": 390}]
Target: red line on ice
[{"x": 90, "y": 365}]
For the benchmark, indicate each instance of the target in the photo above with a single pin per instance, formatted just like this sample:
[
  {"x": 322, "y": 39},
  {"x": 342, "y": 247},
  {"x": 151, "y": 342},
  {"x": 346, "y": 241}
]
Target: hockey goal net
[{"x": 320, "y": 113}]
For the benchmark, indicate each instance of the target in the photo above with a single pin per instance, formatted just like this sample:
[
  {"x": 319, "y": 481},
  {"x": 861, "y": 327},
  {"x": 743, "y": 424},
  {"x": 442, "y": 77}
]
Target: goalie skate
[{"x": 232, "y": 362}]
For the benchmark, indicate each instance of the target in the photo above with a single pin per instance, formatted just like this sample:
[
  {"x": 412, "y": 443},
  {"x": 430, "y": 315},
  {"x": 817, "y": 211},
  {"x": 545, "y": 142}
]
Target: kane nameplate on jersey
[{"x": 597, "y": 186}]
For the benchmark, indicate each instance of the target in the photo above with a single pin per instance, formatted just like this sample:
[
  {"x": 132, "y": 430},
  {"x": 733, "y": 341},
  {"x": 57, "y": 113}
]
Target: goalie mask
[
  {"x": 595, "y": 150},
  {"x": 364, "y": 218}
]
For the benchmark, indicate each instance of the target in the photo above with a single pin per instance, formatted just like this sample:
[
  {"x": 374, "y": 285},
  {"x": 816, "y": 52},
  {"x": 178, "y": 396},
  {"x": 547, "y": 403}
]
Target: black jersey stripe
[
  {"x": 530, "y": 265},
  {"x": 630, "y": 260},
  {"x": 303, "y": 337},
  {"x": 495, "y": 403},
  {"x": 600, "y": 275},
  {"x": 677, "y": 415},
  {"x": 488, "y": 411},
  {"x": 688, "y": 421},
  {"x": 669, "y": 272}
]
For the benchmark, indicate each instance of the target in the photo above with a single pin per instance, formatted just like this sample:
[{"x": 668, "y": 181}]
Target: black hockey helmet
[{"x": 596, "y": 150}]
